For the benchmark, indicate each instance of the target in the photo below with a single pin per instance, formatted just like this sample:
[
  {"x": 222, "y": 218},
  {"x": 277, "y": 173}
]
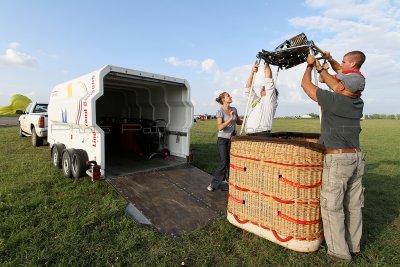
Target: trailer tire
[
  {"x": 78, "y": 163},
  {"x": 36, "y": 140},
  {"x": 56, "y": 152},
  {"x": 66, "y": 162}
]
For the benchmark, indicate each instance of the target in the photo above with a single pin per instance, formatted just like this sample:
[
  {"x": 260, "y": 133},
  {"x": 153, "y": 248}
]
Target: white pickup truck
[{"x": 33, "y": 122}]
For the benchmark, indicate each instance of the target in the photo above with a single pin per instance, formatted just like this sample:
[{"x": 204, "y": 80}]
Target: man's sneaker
[
  {"x": 210, "y": 188},
  {"x": 333, "y": 259}
]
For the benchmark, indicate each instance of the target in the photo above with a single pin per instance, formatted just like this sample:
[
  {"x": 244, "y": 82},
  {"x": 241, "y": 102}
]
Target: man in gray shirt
[{"x": 342, "y": 193}]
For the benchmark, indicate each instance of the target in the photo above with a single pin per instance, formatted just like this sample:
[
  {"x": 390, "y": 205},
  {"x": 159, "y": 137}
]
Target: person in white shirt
[{"x": 262, "y": 108}]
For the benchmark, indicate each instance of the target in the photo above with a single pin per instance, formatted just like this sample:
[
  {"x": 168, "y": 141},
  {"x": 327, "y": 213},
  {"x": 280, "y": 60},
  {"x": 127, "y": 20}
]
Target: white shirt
[{"x": 262, "y": 109}]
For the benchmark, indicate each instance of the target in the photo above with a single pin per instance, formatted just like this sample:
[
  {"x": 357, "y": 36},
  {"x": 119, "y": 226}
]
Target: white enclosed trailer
[{"x": 119, "y": 119}]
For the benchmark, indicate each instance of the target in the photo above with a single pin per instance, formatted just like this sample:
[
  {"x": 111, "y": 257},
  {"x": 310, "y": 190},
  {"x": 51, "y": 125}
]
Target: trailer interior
[{"x": 143, "y": 120}]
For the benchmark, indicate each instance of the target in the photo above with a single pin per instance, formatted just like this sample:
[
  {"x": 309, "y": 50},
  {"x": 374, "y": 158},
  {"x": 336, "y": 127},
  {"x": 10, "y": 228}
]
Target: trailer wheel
[
  {"x": 56, "y": 152},
  {"x": 36, "y": 140},
  {"x": 66, "y": 162},
  {"x": 78, "y": 163}
]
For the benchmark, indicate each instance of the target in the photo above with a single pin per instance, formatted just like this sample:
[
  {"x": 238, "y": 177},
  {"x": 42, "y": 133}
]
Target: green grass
[{"x": 47, "y": 219}]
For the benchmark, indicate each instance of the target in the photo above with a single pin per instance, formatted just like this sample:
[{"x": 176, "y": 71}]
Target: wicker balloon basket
[{"x": 274, "y": 188}]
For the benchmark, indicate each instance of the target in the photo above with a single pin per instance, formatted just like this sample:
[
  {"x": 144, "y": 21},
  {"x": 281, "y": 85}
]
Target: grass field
[{"x": 49, "y": 220}]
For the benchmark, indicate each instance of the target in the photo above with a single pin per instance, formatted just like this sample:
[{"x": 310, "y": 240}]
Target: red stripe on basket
[
  {"x": 287, "y": 181},
  {"x": 240, "y": 201},
  {"x": 243, "y": 169},
  {"x": 265, "y": 227},
  {"x": 239, "y": 220},
  {"x": 243, "y": 157},
  {"x": 239, "y": 188},
  {"x": 282, "y": 201},
  {"x": 265, "y": 195},
  {"x": 293, "y": 165},
  {"x": 282, "y": 239},
  {"x": 289, "y": 201},
  {"x": 280, "y": 214},
  {"x": 255, "y": 192}
]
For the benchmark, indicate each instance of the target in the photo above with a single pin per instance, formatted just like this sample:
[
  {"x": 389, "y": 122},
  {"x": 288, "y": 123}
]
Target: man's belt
[{"x": 342, "y": 150}]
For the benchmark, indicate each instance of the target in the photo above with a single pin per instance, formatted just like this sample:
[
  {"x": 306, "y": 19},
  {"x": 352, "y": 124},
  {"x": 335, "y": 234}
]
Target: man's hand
[
  {"x": 319, "y": 68},
  {"x": 255, "y": 68},
  {"x": 231, "y": 114},
  {"x": 309, "y": 88},
  {"x": 310, "y": 59},
  {"x": 334, "y": 64},
  {"x": 327, "y": 55}
]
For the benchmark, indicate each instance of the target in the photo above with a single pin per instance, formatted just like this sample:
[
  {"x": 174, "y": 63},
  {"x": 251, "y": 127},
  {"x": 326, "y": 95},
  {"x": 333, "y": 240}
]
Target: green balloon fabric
[{"x": 17, "y": 102}]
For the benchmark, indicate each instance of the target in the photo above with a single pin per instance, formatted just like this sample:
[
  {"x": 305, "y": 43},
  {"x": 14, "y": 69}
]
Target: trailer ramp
[{"x": 174, "y": 200}]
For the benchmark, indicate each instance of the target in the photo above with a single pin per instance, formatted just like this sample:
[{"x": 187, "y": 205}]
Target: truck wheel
[
  {"x": 56, "y": 152},
  {"x": 66, "y": 162},
  {"x": 20, "y": 133},
  {"x": 36, "y": 140},
  {"x": 78, "y": 163}
]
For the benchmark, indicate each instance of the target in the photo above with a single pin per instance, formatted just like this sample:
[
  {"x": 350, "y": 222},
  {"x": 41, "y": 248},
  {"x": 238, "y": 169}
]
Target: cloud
[
  {"x": 207, "y": 65},
  {"x": 370, "y": 26},
  {"x": 12, "y": 57},
  {"x": 13, "y": 45},
  {"x": 31, "y": 94},
  {"x": 185, "y": 63}
]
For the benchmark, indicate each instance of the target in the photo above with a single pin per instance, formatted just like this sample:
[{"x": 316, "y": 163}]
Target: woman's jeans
[{"x": 224, "y": 145}]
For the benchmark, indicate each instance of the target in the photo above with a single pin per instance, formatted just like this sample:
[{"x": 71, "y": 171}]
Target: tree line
[
  {"x": 372, "y": 116},
  {"x": 383, "y": 116}
]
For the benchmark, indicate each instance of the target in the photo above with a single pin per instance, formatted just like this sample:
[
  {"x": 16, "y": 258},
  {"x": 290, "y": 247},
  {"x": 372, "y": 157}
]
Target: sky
[{"x": 211, "y": 44}]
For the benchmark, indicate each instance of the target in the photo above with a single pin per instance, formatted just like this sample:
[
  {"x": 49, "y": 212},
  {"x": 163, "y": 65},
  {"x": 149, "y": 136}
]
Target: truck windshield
[{"x": 40, "y": 108}]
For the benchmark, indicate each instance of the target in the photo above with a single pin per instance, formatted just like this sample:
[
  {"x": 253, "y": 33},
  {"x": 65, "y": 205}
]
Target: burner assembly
[{"x": 290, "y": 53}]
